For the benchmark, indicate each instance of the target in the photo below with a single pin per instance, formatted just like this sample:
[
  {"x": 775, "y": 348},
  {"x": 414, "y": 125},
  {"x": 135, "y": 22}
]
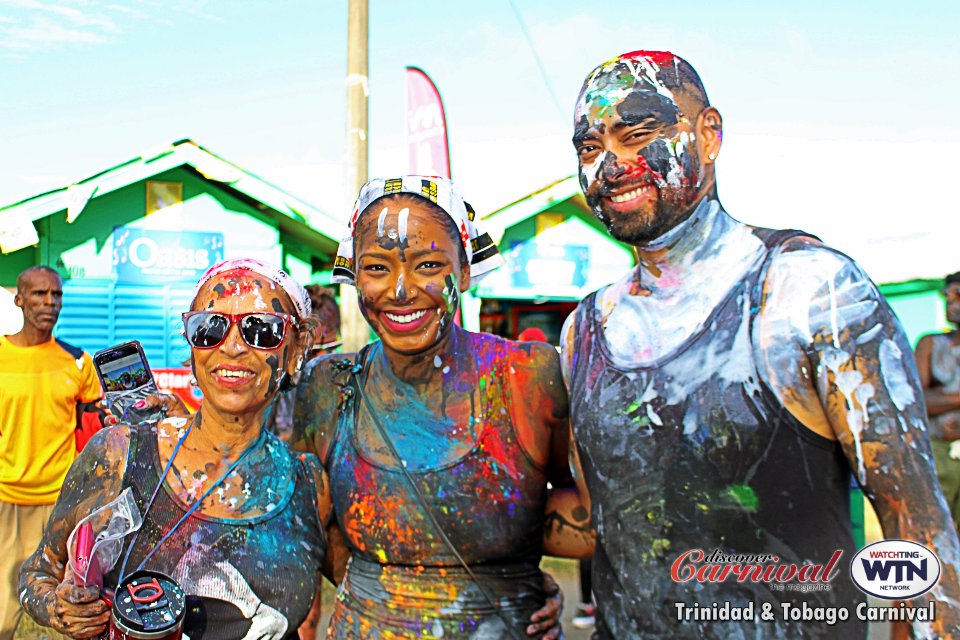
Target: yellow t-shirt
[{"x": 39, "y": 390}]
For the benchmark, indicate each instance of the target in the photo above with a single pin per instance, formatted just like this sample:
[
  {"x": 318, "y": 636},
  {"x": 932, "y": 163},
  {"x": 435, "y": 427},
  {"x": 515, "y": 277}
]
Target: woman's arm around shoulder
[
  {"x": 540, "y": 407},
  {"x": 317, "y": 402},
  {"x": 537, "y": 373}
]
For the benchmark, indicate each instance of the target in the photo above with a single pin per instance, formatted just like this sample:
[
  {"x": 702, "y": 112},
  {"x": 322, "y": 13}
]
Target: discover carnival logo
[
  {"x": 895, "y": 569},
  {"x": 717, "y": 566}
]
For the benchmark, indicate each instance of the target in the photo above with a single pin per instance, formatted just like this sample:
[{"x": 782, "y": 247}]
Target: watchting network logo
[{"x": 895, "y": 569}]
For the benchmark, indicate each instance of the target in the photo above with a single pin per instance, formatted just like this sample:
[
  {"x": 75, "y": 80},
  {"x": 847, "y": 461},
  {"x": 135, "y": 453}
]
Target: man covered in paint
[
  {"x": 938, "y": 361},
  {"x": 724, "y": 391}
]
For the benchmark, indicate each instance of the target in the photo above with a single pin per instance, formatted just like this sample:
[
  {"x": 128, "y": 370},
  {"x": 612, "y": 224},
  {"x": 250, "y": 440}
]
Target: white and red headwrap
[
  {"x": 482, "y": 253},
  {"x": 298, "y": 295}
]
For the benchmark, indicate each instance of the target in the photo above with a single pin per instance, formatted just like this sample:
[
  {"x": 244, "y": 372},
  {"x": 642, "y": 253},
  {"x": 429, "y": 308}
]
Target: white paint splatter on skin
[
  {"x": 870, "y": 334},
  {"x": 856, "y": 393},
  {"x": 590, "y": 171},
  {"x": 380, "y": 220},
  {"x": 895, "y": 376},
  {"x": 402, "y": 223},
  {"x": 863, "y": 395},
  {"x": 258, "y": 302},
  {"x": 832, "y": 301},
  {"x": 614, "y": 89},
  {"x": 649, "y": 76},
  {"x": 654, "y": 418}
]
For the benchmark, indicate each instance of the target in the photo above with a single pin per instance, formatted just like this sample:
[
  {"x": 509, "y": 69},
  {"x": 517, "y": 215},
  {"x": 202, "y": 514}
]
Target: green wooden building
[{"x": 131, "y": 241}]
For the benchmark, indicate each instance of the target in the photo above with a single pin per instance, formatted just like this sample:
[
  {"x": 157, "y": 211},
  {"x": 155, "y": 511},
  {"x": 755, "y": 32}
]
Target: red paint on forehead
[
  {"x": 240, "y": 280},
  {"x": 659, "y": 58}
]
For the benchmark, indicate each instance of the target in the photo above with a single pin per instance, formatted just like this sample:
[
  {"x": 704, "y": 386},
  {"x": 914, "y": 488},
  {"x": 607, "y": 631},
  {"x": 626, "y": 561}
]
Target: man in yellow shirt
[{"x": 41, "y": 381}]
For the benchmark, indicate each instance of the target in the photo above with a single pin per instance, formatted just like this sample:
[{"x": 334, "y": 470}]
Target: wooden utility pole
[{"x": 353, "y": 327}]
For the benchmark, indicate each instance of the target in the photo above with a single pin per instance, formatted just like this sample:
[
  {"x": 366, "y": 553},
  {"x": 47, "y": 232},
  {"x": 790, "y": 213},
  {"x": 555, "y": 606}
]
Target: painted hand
[
  {"x": 80, "y": 613},
  {"x": 547, "y": 619},
  {"x": 170, "y": 405}
]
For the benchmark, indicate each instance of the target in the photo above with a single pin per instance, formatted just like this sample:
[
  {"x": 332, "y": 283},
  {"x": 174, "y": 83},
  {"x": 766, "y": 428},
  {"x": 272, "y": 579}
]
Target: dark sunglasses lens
[
  {"x": 207, "y": 329},
  {"x": 262, "y": 330}
]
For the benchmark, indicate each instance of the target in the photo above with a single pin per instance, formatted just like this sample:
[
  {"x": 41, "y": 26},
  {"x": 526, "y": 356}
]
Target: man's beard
[{"x": 636, "y": 228}]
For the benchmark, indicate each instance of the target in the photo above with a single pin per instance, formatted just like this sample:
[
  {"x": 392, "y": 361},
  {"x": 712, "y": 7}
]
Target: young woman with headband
[{"x": 439, "y": 442}]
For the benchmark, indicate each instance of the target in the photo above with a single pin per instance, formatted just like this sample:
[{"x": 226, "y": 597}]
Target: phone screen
[
  {"x": 123, "y": 368},
  {"x": 127, "y": 380}
]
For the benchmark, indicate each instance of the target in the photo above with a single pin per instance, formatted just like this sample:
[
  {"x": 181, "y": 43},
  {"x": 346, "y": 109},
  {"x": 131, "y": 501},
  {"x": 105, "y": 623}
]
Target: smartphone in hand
[{"x": 126, "y": 379}]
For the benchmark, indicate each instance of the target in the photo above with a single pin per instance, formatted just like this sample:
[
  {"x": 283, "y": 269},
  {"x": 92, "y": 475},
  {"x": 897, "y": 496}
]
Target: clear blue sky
[{"x": 840, "y": 117}]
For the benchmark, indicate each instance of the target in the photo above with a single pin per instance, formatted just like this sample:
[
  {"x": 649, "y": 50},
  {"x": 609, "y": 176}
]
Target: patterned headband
[
  {"x": 298, "y": 295},
  {"x": 482, "y": 253}
]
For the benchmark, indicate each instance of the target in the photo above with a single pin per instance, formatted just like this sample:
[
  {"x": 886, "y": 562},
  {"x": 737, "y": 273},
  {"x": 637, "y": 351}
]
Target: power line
[{"x": 536, "y": 57}]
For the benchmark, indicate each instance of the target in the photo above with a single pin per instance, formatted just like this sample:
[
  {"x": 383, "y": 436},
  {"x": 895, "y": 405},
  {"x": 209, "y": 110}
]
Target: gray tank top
[
  {"x": 722, "y": 466},
  {"x": 945, "y": 370}
]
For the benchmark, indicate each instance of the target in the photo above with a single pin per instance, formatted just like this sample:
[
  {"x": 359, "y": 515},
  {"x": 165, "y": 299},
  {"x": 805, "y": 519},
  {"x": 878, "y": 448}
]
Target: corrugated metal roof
[{"x": 297, "y": 217}]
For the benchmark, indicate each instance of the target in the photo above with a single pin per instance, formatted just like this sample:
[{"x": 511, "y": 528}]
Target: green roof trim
[
  {"x": 911, "y": 287},
  {"x": 295, "y": 216}
]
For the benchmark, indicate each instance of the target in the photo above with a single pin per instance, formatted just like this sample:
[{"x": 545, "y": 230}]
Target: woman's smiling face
[
  {"x": 235, "y": 378},
  {"x": 409, "y": 272}
]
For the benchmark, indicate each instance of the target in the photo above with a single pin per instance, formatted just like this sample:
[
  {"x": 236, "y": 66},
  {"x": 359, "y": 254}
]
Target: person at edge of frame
[
  {"x": 938, "y": 361},
  {"x": 724, "y": 390},
  {"x": 44, "y": 382}
]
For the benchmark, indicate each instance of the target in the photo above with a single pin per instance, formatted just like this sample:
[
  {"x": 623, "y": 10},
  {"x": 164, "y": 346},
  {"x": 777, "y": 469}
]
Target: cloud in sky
[{"x": 32, "y": 26}]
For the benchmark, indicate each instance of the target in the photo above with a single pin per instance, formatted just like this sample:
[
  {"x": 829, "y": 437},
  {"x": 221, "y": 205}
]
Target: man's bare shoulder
[
  {"x": 811, "y": 285},
  {"x": 806, "y": 256}
]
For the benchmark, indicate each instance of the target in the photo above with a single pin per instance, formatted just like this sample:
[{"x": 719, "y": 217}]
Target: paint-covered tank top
[
  {"x": 945, "y": 370},
  {"x": 245, "y": 577},
  {"x": 696, "y": 452},
  {"x": 403, "y": 581}
]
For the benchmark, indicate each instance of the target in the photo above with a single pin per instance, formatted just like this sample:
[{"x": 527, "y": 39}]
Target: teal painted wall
[
  {"x": 919, "y": 313},
  {"x": 564, "y": 262}
]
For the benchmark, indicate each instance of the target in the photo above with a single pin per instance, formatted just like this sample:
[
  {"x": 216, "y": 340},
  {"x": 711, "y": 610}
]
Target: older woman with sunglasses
[
  {"x": 439, "y": 442},
  {"x": 229, "y": 512}
]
